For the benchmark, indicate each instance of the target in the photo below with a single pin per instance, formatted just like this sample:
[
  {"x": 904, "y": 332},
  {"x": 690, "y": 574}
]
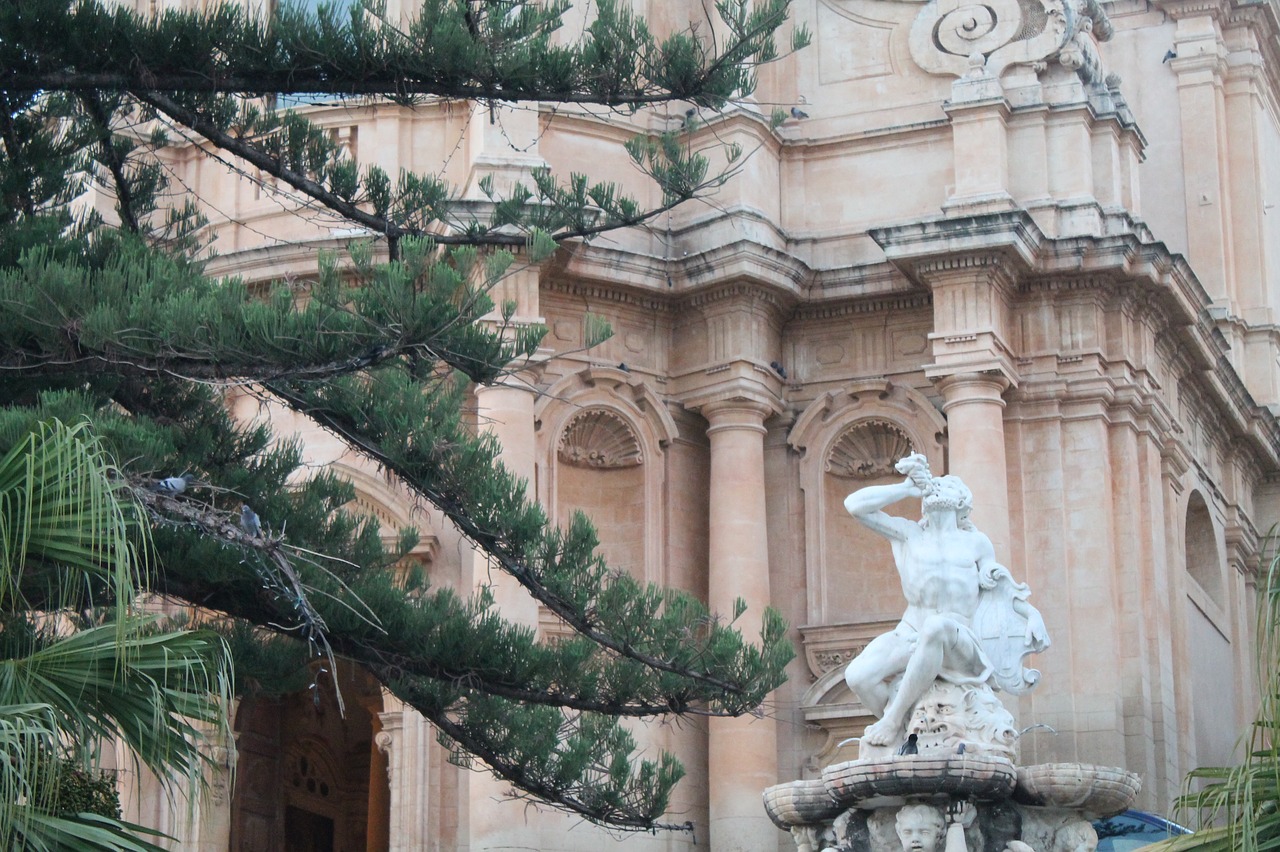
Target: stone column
[
  {"x": 743, "y": 752},
  {"x": 974, "y": 406},
  {"x": 378, "y": 825},
  {"x": 505, "y": 410},
  {"x": 495, "y": 820},
  {"x": 386, "y": 742}
]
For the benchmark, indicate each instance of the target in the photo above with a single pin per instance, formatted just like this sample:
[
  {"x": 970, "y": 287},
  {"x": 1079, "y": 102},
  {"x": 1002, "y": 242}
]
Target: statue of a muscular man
[{"x": 947, "y": 567}]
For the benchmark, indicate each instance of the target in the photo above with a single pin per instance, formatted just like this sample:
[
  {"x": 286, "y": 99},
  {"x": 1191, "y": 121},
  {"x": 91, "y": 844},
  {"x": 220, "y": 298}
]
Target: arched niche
[
  {"x": 601, "y": 436},
  {"x": 1205, "y": 559},
  {"x": 1212, "y": 664},
  {"x": 849, "y": 439}
]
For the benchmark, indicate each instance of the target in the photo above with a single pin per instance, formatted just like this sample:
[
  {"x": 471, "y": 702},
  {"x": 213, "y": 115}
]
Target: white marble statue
[{"x": 967, "y": 620}]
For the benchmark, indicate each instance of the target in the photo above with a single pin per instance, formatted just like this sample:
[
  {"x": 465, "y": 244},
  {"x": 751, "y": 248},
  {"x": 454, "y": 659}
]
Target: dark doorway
[{"x": 307, "y": 832}]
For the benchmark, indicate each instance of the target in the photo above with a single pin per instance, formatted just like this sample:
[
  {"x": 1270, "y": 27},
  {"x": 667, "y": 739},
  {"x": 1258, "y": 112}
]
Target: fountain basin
[
  {"x": 800, "y": 803},
  {"x": 972, "y": 776},
  {"x": 1098, "y": 791}
]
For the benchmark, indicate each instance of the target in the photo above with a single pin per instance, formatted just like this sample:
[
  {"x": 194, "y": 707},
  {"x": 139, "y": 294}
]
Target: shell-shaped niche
[
  {"x": 868, "y": 449},
  {"x": 597, "y": 438}
]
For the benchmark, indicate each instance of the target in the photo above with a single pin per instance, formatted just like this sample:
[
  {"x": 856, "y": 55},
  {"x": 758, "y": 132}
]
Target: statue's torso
[{"x": 940, "y": 574}]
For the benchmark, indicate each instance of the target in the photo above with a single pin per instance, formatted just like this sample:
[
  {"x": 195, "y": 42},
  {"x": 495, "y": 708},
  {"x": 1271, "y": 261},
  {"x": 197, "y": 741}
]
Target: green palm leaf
[
  {"x": 68, "y": 530},
  {"x": 1239, "y": 806}
]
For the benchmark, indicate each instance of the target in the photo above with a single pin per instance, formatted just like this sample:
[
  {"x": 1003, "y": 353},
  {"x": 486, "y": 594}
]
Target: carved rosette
[
  {"x": 597, "y": 438},
  {"x": 868, "y": 449},
  {"x": 967, "y": 37}
]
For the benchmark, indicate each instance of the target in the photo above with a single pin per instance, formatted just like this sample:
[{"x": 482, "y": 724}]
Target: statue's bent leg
[
  {"x": 869, "y": 672},
  {"x": 939, "y": 636}
]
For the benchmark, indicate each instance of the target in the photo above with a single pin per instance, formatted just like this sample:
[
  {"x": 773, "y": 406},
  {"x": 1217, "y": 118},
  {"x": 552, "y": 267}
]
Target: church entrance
[{"x": 307, "y": 779}]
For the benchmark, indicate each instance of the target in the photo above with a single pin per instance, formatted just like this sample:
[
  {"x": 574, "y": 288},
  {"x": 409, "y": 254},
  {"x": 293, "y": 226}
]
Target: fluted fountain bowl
[
  {"x": 1098, "y": 791},
  {"x": 972, "y": 776},
  {"x": 800, "y": 803}
]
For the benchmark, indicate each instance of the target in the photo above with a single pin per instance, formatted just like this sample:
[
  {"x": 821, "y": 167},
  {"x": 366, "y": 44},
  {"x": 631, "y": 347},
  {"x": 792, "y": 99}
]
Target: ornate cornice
[
  {"x": 847, "y": 308},
  {"x": 736, "y": 291},
  {"x": 1179, "y": 9},
  {"x": 601, "y": 292}
]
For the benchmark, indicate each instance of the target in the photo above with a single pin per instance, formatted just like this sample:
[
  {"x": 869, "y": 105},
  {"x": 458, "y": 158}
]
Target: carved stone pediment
[
  {"x": 828, "y": 703},
  {"x": 829, "y": 646}
]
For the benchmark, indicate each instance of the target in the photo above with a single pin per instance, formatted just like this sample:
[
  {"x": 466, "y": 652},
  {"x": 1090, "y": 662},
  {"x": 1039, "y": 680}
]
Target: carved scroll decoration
[
  {"x": 600, "y": 439},
  {"x": 868, "y": 449},
  {"x": 964, "y": 37}
]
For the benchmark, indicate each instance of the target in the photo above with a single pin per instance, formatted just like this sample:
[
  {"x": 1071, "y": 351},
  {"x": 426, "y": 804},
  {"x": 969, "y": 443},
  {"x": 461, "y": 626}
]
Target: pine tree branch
[
  {"x": 245, "y": 150},
  {"x": 110, "y": 157},
  {"x": 492, "y": 542},
  {"x": 389, "y": 666}
]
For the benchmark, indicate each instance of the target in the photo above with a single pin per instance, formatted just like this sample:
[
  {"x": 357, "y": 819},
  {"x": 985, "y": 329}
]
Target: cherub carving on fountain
[{"x": 967, "y": 621}]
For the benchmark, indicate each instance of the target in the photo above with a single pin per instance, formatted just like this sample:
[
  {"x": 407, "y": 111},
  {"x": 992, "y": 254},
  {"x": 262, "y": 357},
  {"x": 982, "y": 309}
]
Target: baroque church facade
[{"x": 1033, "y": 240}]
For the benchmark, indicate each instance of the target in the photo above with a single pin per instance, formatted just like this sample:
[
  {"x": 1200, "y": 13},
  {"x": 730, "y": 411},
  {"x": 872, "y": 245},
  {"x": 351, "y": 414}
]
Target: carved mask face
[{"x": 939, "y": 712}]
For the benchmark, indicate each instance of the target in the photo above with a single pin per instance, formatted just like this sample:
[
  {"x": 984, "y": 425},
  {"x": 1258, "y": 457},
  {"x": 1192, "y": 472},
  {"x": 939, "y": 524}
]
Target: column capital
[
  {"x": 987, "y": 386},
  {"x": 726, "y": 414},
  {"x": 739, "y": 391}
]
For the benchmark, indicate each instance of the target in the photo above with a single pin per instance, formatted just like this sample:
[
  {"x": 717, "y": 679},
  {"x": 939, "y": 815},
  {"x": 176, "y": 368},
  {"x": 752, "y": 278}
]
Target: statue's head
[
  {"x": 949, "y": 492},
  {"x": 920, "y": 828}
]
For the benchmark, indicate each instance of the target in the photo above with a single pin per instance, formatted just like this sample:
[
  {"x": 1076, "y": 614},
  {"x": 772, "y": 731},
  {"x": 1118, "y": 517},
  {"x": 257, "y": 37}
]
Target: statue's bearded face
[{"x": 948, "y": 492}]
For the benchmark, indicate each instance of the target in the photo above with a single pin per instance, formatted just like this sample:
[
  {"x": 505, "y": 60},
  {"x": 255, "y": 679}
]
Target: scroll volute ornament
[
  {"x": 949, "y": 36},
  {"x": 868, "y": 449},
  {"x": 600, "y": 439}
]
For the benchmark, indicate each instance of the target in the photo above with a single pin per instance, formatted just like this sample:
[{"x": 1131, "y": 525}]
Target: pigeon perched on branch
[
  {"x": 174, "y": 485},
  {"x": 249, "y": 521}
]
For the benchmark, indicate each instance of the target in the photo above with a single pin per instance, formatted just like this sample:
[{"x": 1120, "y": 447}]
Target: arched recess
[
  {"x": 850, "y": 438},
  {"x": 380, "y": 499},
  {"x": 1212, "y": 664},
  {"x": 1206, "y": 562},
  {"x": 602, "y": 435}
]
